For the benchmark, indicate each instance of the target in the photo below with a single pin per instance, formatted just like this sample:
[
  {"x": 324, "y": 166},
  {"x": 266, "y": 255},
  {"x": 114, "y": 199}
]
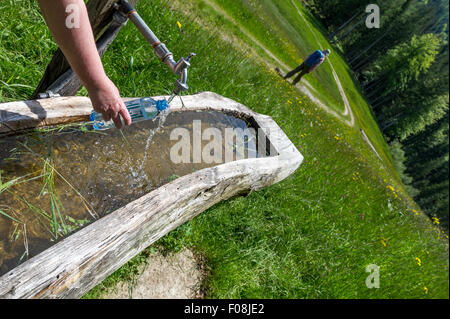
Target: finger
[
  {"x": 106, "y": 116},
  {"x": 125, "y": 115},
  {"x": 113, "y": 113},
  {"x": 117, "y": 121}
]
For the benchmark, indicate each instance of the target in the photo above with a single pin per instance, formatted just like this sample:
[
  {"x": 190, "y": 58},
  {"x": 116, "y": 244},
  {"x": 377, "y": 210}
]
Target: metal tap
[{"x": 160, "y": 49}]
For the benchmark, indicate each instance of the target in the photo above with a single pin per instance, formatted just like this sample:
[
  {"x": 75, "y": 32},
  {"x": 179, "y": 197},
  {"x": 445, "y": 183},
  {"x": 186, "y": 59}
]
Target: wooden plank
[
  {"x": 79, "y": 262},
  {"x": 17, "y": 116},
  {"x": 100, "y": 15}
]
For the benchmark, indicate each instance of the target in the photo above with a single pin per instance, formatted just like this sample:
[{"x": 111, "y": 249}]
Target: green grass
[
  {"x": 310, "y": 236},
  {"x": 278, "y": 26},
  {"x": 54, "y": 220},
  {"x": 363, "y": 113},
  {"x": 25, "y": 49},
  {"x": 271, "y": 28}
]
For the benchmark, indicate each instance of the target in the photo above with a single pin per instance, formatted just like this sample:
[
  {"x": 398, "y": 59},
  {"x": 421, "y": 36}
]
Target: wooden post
[
  {"x": 76, "y": 264},
  {"x": 101, "y": 16}
]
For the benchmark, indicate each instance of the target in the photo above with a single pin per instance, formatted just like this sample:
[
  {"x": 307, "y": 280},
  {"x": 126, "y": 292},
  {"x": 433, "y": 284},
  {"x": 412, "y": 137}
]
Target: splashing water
[
  {"x": 171, "y": 98},
  {"x": 140, "y": 175}
]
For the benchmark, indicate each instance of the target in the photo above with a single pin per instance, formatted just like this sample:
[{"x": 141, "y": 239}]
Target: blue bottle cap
[
  {"x": 161, "y": 105},
  {"x": 92, "y": 116},
  {"x": 96, "y": 125}
]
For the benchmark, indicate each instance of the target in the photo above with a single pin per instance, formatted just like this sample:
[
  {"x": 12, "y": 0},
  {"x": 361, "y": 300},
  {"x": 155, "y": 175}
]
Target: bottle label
[
  {"x": 135, "y": 110},
  {"x": 139, "y": 109}
]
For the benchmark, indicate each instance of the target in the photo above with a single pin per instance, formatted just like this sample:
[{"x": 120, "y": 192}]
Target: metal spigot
[
  {"x": 160, "y": 49},
  {"x": 181, "y": 69}
]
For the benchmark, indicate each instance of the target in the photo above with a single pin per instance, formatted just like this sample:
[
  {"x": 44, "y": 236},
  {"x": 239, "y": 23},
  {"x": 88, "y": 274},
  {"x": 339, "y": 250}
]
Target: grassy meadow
[{"x": 310, "y": 236}]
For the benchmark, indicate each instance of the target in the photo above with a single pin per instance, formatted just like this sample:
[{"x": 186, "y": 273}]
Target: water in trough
[{"x": 52, "y": 183}]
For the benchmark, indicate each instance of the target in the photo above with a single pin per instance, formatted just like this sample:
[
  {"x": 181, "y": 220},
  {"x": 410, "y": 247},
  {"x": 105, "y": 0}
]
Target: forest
[{"x": 402, "y": 69}]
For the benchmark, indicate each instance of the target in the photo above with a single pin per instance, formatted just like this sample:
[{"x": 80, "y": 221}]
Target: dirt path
[
  {"x": 176, "y": 276},
  {"x": 307, "y": 88},
  {"x": 348, "y": 109},
  {"x": 366, "y": 138},
  {"x": 248, "y": 34}
]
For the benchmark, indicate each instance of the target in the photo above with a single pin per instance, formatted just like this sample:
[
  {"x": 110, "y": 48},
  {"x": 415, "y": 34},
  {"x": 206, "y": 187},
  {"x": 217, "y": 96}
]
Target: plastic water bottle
[{"x": 139, "y": 109}]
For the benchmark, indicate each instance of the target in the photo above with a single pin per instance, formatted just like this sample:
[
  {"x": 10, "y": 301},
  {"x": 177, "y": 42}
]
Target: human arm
[{"x": 77, "y": 43}]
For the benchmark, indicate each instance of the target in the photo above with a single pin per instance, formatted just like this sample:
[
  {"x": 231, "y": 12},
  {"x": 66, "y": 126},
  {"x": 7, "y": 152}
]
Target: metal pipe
[
  {"x": 181, "y": 84},
  {"x": 160, "y": 49},
  {"x": 142, "y": 26},
  {"x": 184, "y": 76}
]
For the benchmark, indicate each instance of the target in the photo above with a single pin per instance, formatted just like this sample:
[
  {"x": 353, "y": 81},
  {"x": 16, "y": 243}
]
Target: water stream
[{"x": 140, "y": 173}]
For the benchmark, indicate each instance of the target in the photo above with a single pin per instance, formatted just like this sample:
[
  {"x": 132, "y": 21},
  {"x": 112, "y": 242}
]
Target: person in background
[
  {"x": 310, "y": 64},
  {"x": 78, "y": 45}
]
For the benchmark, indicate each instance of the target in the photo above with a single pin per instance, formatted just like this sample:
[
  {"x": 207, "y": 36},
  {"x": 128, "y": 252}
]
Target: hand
[{"x": 105, "y": 98}]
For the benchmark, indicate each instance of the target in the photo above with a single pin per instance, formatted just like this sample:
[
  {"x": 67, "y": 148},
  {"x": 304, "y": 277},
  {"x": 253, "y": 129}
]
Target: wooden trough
[{"x": 76, "y": 264}]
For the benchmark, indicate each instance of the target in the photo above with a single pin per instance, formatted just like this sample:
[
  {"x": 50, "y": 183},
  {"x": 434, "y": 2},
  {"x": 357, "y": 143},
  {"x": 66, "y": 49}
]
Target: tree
[
  {"x": 403, "y": 70},
  {"x": 399, "y": 158},
  {"x": 405, "y": 62}
]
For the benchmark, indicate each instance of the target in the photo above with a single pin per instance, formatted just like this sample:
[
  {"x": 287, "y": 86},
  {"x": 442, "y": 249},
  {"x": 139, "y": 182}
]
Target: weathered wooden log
[
  {"x": 18, "y": 116},
  {"x": 23, "y": 115},
  {"x": 101, "y": 16},
  {"x": 82, "y": 260}
]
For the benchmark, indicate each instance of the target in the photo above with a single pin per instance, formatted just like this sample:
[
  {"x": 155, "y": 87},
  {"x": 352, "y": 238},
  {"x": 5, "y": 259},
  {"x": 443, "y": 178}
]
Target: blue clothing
[{"x": 315, "y": 59}]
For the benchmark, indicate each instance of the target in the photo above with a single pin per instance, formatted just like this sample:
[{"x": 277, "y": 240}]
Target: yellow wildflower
[
  {"x": 179, "y": 24},
  {"x": 419, "y": 262},
  {"x": 436, "y": 220},
  {"x": 425, "y": 289}
]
